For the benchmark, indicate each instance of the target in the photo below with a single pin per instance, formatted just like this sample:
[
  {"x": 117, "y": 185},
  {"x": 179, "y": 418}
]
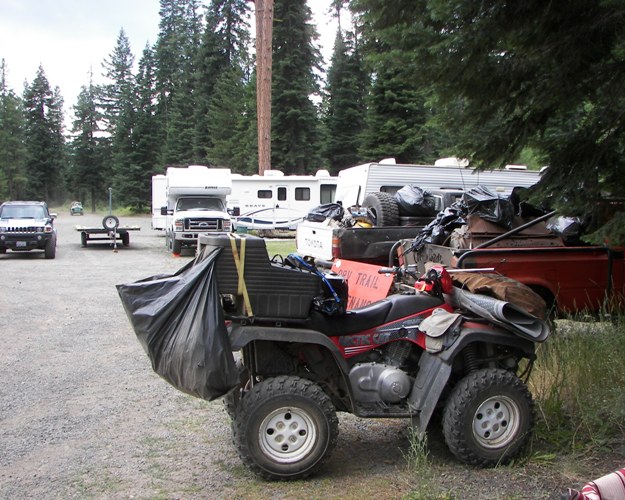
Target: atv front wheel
[
  {"x": 488, "y": 417},
  {"x": 285, "y": 427}
]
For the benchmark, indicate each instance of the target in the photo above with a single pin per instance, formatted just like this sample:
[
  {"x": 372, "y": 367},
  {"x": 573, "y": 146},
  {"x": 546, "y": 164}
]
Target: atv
[{"x": 303, "y": 357}]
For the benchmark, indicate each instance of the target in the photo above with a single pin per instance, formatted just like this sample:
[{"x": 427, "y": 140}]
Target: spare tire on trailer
[{"x": 384, "y": 208}]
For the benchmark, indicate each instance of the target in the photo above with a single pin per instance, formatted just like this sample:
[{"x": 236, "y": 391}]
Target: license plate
[{"x": 20, "y": 244}]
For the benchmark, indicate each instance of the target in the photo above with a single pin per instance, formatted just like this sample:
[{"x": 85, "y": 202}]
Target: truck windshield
[
  {"x": 22, "y": 212},
  {"x": 199, "y": 204}
]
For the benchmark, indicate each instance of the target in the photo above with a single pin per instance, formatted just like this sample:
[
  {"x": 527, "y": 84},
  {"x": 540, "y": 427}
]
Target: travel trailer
[
  {"x": 449, "y": 173},
  {"x": 278, "y": 201}
]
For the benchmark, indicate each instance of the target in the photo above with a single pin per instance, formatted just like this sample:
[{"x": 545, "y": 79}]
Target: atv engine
[{"x": 383, "y": 381}]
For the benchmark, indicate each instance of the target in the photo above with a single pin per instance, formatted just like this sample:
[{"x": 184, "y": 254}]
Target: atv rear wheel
[
  {"x": 284, "y": 428},
  {"x": 488, "y": 417}
]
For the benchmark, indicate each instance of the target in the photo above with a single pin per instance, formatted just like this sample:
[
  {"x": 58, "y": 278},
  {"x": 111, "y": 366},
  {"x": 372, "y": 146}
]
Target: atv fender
[
  {"x": 241, "y": 335},
  {"x": 435, "y": 369},
  {"x": 429, "y": 385},
  {"x": 488, "y": 334}
]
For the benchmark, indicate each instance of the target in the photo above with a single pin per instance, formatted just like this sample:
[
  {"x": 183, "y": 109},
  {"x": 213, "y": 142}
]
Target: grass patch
[
  {"x": 280, "y": 247},
  {"x": 578, "y": 386}
]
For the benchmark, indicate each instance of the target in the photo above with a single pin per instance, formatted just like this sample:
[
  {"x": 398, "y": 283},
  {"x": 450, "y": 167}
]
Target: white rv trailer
[
  {"x": 275, "y": 196},
  {"x": 387, "y": 176},
  {"x": 159, "y": 199}
]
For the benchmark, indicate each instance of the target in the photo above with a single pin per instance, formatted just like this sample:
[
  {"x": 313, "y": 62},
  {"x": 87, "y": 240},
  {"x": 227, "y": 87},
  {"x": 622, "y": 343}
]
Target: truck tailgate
[{"x": 314, "y": 239}]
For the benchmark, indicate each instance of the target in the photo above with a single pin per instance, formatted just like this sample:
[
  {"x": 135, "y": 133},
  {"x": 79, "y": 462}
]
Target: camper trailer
[
  {"x": 449, "y": 173},
  {"x": 278, "y": 201}
]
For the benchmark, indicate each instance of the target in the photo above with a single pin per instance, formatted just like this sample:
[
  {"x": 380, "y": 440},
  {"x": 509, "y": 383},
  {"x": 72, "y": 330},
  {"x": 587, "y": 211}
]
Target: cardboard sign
[{"x": 365, "y": 284}]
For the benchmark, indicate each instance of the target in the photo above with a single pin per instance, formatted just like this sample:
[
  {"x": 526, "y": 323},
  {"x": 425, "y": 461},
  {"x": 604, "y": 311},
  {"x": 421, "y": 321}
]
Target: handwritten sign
[{"x": 365, "y": 284}]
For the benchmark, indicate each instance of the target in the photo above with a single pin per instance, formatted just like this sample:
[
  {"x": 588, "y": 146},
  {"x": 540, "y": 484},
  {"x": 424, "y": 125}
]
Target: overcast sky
[{"x": 71, "y": 37}]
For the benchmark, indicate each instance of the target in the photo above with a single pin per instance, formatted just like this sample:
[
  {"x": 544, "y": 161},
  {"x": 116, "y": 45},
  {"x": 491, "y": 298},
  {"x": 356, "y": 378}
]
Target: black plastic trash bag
[
  {"x": 570, "y": 229},
  {"x": 326, "y": 211},
  {"x": 489, "y": 206},
  {"x": 414, "y": 201},
  {"x": 179, "y": 322}
]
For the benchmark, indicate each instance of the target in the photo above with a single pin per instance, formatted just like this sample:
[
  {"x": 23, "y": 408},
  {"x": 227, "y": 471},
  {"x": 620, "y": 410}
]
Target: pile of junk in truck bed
[{"x": 485, "y": 230}]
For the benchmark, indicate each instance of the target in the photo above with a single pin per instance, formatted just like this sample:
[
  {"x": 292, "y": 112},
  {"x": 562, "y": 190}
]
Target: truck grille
[
  {"x": 203, "y": 224},
  {"x": 29, "y": 229}
]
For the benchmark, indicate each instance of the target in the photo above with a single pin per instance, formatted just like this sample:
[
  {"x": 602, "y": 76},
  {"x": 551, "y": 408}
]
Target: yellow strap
[{"x": 239, "y": 263}]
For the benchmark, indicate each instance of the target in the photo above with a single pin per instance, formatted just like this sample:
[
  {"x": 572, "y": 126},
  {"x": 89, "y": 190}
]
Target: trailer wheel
[
  {"x": 125, "y": 239},
  {"x": 110, "y": 222},
  {"x": 384, "y": 207},
  {"x": 83, "y": 239},
  {"x": 285, "y": 428},
  {"x": 488, "y": 417}
]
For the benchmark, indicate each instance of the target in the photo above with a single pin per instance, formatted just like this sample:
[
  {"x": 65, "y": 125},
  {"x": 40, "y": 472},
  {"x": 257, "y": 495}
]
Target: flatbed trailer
[{"x": 110, "y": 231}]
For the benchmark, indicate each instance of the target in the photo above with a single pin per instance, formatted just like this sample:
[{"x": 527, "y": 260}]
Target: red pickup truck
[{"x": 569, "y": 278}]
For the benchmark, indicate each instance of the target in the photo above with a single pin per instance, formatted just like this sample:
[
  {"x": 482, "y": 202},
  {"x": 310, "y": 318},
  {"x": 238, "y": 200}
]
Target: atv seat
[{"x": 378, "y": 313}]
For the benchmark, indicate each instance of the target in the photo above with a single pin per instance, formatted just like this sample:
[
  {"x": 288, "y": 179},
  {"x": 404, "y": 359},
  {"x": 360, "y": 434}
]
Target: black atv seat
[{"x": 384, "y": 311}]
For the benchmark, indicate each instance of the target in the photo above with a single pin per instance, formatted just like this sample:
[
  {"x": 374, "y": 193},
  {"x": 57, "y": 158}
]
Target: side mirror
[
  {"x": 52, "y": 215},
  {"x": 234, "y": 212},
  {"x": 163, "y": 210}
]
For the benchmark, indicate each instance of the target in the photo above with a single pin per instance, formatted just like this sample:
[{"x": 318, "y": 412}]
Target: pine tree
[
  {"x": 508, "y": 75},
  {"x": 232, "y": 124},
  {"x": 45, "y": 142},
  {"x": 146, "y": 131},
  {"x": 87, "y": 174},
  {"x": 295, "y": 141},
  {"x": 119, "y": 112},
  {"x": 176, "y": 53},
  {"x": 224, "y": 49},
  {"x": 12, "y": 148},
  {"x": 344, "y": 106}
]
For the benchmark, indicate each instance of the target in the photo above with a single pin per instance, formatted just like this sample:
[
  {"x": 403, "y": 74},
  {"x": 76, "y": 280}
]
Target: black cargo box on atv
[{"x": 274, "y": 290}]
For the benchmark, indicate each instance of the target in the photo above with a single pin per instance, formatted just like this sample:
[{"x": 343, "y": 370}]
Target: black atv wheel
[
  {"x": 488, "y": 418},
  {"x": 384, "y": 207},
  {"x": 285, "y": 428}
]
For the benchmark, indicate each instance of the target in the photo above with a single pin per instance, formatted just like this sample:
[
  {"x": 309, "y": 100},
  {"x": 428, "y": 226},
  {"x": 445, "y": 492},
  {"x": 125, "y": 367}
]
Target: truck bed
[{"x": 574, "y": 279}]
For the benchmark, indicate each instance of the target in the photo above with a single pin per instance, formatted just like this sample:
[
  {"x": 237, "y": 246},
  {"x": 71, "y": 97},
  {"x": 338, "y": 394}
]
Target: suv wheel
[{"x": 50, "y": 250}]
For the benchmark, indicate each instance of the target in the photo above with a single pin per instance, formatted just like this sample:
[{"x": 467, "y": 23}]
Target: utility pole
[{"x": 264, "y": 30}]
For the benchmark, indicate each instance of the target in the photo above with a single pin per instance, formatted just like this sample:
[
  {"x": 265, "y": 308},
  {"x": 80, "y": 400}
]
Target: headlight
[
  {"x": 47, "y": 228},
  {"x": 179, "y": 225},
  {"x": 227, "y": 225}
]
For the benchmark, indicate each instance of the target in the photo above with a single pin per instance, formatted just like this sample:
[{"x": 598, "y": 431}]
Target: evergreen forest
[{"x": 492, "y": 81}]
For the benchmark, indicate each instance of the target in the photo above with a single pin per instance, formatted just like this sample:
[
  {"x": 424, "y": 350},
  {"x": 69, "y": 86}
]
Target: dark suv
[{"x": 27, "y": 225}]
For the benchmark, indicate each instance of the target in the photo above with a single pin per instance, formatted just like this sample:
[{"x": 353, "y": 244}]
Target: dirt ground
[{"x": 82, "y": 415}]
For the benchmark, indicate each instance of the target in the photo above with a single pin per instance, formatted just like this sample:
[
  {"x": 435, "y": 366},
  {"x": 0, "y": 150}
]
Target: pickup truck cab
[{"x": 25, "y": 226}]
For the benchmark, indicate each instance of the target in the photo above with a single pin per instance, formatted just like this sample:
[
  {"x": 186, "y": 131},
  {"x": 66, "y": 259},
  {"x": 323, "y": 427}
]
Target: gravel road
[{"x": 82, "y": 415}]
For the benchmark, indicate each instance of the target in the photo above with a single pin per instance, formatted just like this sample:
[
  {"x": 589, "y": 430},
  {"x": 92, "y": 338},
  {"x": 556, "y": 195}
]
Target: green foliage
[
  {"x": 577, "y": 382},
  {"x": 12, "y": 149},
  {"x": 508, "y": 75},
  {"x": 344, "y": 106},
  {"x": 87, "y": 169},
  {"x": 295, "y": 135},
  {"x": 45, "y": 147}
]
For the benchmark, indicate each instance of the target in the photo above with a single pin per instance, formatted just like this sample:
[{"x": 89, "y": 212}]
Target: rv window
[
  {"x": 327, "y": 193},
  {"x": 390, "y": 189},
  {"x": 281, "y": 193},
  {"x": 265, "y": 193},
  {"x": 302, "y": 194}
]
